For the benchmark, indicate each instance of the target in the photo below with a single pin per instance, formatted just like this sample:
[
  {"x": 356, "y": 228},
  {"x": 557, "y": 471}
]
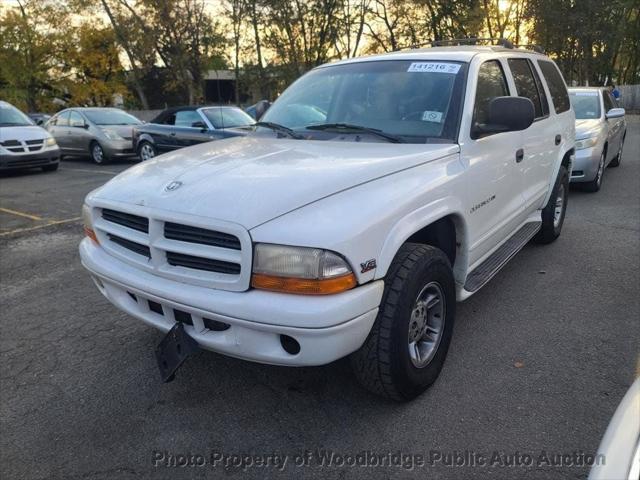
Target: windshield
[
  {"x": 417, "y": 101},
  {"x": 111, "y": 117},
  {"x": 227, "y": 117},
  {"x": 586, "y": 105},
  {"x": 10, "y": 116}
]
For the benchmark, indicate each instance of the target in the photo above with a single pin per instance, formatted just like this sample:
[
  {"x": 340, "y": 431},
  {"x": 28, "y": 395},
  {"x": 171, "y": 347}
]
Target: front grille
[
  {"x": 11, "y": 143},
  {"x": 201, "y": 263},
  {"x": 216, "y": 257},
  {"x": 126, "y": 220},
  {"x": 128, "y": 244},
  {"x": 186, "y": 233}
]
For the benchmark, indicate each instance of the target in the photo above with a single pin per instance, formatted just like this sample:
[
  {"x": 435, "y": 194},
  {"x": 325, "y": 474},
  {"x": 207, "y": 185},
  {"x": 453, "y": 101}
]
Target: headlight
[
  {"x": 586, "y": 143},
  {"x": 87, "y": 223},
  {"x": 302, "y": 270},
  {"x": 111, "y": 135},
  {"x": 50, "y": 142}
]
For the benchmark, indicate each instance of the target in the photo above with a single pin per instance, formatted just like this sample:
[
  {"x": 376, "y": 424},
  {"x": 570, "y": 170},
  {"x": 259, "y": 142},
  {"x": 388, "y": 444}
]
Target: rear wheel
[
  {"x": 408, "y": 343},
  {"x": 97, "y": 153},
  {"x": 553, "y": 213},
  {"x": 146, "y": 151},
  {"x": 595, "y": 184}
]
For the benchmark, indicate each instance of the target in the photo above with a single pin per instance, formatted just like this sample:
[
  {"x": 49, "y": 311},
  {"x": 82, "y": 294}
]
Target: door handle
[
  {"x": 558, "y": 139},
  {"x": 519, "y": 155}
]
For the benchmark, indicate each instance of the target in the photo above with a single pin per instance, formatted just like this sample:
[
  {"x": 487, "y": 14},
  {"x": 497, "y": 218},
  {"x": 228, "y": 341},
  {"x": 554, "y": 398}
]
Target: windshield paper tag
[
  {"x": 438, "y": 67},
  {"x": 429, "y": 116}
]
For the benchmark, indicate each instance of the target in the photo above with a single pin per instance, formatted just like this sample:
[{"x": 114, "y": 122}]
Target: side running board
[{"x": 498, "y": 259}]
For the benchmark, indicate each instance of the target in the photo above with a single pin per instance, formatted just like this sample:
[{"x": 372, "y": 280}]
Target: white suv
[{"x": 376, "y": 192}]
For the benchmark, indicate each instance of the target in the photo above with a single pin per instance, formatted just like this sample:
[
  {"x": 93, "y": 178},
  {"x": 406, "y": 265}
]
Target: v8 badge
[{"x": 368, "y": 265}]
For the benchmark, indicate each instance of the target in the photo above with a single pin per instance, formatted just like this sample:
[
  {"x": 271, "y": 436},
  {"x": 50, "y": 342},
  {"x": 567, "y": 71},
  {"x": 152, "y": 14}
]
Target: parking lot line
[
  {"x": 104, "y": 172},
  {"x": 37, "y": 227},
  {"x": 20, "y": 214}
]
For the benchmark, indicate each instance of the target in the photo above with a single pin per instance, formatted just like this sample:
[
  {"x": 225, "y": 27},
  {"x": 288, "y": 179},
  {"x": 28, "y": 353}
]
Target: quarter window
[
  {"x": 556, "y": 85},
  {"x": 491, "y": 84},
  {"x": 526, "y": 83}
]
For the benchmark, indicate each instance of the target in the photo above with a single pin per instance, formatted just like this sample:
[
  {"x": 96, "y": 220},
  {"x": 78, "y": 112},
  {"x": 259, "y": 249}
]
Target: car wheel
[
  {"x": 595, "y": 184},
  {"x": 50, "y": 168},
  {"x": 553, "y": 213},
  {"x": 146, "y": 151},
  {"x": 616, "y": 161},
  {"x": 408, "y": 343},
  {"x": 97, "y": 153}
]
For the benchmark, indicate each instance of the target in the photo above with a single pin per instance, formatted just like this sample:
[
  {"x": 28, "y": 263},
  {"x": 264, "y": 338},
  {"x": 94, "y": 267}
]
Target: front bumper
[
  {"x": 46, "y": 157},
  {"x": 585, "y": 164},
  {"x": 326, "y": 327}
]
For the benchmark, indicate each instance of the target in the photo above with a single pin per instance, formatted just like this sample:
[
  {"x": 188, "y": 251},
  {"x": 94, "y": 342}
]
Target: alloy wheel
[{"x": 426, "y": 324}]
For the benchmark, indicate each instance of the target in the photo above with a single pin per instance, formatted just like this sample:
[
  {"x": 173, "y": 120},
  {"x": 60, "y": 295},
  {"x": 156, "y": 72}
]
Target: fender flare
[
  {"x": 418, "y": 219},
  {"x": 566, "y": 149}
]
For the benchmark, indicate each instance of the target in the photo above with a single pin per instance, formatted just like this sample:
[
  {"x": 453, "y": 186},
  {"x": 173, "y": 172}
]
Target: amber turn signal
[
  {"x": 91, "y": 234},
  {"x": 303, "y": 286}
]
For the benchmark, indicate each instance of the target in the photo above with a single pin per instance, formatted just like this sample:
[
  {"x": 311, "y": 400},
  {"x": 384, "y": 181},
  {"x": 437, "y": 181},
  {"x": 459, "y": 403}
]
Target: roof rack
[
  {"x": 535, "y": 48},
  {"x": 503, "y": 42}
]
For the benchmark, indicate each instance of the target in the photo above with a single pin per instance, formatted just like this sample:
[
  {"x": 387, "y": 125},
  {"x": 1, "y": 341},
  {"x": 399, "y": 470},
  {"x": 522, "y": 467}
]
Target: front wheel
[
  {"x": 146, "y": 151},
  {"x": 595, "y": 184},
  {"x": 408, "y": 343},
  {"x": 97, "y": 153},
  {"x": 553, "y": 213}
]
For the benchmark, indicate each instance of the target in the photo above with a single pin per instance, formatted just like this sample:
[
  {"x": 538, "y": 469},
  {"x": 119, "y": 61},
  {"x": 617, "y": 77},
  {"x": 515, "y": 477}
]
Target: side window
[
  {"x": 556, "y": 85},
  {"x": 76, "y": 120},
  {"x": 526, "y": 83},
  {"x": 608, "y": 103},
  {"x": 543, "y": 95},
  {"x": 186, "y": 118},
  {"x": 63, "y": 120},
  {"x": 491, "y": 83}
]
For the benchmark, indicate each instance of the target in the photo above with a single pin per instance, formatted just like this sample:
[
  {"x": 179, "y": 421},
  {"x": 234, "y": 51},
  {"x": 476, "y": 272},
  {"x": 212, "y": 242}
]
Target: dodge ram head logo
[{"x": 173, "y": 186}]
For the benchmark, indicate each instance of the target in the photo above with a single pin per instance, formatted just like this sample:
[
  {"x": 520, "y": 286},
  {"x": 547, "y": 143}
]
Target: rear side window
[
  {"x": 556, "y": 85},
  {"x": 526, "y": 85},
  {"x": 491, "y": 84}
]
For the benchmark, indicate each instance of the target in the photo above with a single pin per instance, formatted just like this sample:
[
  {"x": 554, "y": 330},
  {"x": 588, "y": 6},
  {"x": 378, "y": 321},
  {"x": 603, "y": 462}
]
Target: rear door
[
  {"x": 494, "y": 193},
  {"x": 542, "y": 139}
]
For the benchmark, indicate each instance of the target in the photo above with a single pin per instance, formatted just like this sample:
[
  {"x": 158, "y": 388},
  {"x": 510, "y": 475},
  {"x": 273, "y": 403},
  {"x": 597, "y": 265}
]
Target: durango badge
[{"x": 173, "y": 186}]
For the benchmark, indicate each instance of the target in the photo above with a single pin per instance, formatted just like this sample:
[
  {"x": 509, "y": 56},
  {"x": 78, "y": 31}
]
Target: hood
[
  {"x": 250, "y": 180},
  {"x": 587, "y": 128},
  {"x": 23, "y": 133}
]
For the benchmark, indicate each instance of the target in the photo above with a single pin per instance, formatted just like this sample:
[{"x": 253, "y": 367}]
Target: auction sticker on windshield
[{"x": 438, "y": 67}]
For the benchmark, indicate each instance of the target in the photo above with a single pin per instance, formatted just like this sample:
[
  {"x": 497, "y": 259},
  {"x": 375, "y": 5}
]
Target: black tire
[
  {"x": 550, "y": 230},
  {"x": 595, "y": 184},
  {"x": 50, "y": 168},
  {"x": 99, "y": 159},
  {"x": 383, "y": 364},
  {"x": 146, "y": 151},
  {"x": 616, "y": 161}
]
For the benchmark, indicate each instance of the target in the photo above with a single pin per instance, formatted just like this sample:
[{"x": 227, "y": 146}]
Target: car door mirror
[
  {"x": 615, "y": 113},
  {"x": 508, "y": 114},
  {"x": 199, "y": 125}
]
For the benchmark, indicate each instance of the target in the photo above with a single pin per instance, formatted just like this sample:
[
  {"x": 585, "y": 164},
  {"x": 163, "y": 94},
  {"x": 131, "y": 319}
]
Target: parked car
[
  {"x": 102, "y": 133},
  {"x": 181, "y": 127},
  {"x": 618, "y": 456},
  {"x": 39, "y": 118},
  {"x": 601, "y": 129},
  {"x": 355, "y": 234},
  {"x": 24, "y": 144}
]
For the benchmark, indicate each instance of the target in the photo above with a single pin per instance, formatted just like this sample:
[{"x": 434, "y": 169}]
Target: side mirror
[
  {"x": 508, "y": 114},
  {"x": 199, "y": 125},
  {"x": 615, "y": 113}
]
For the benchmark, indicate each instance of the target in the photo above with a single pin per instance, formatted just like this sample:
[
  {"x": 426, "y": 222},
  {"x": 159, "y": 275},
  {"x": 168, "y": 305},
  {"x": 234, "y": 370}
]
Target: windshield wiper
[
  {"x": 276, "y": 127},
  {"x": 349, "y": 128}
]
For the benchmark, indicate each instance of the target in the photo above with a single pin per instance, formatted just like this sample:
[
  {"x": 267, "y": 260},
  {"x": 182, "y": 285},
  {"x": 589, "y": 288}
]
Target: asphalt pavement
[{"x": 539, "y": 361}]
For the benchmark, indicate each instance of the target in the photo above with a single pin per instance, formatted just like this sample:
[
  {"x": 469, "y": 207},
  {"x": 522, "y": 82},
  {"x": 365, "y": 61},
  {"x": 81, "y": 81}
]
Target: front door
[{"x": 494, "y": 191}]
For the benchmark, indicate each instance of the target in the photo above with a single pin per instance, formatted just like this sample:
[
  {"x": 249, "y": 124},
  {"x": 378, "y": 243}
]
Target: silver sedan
[{"x": 600, "y": 132}]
